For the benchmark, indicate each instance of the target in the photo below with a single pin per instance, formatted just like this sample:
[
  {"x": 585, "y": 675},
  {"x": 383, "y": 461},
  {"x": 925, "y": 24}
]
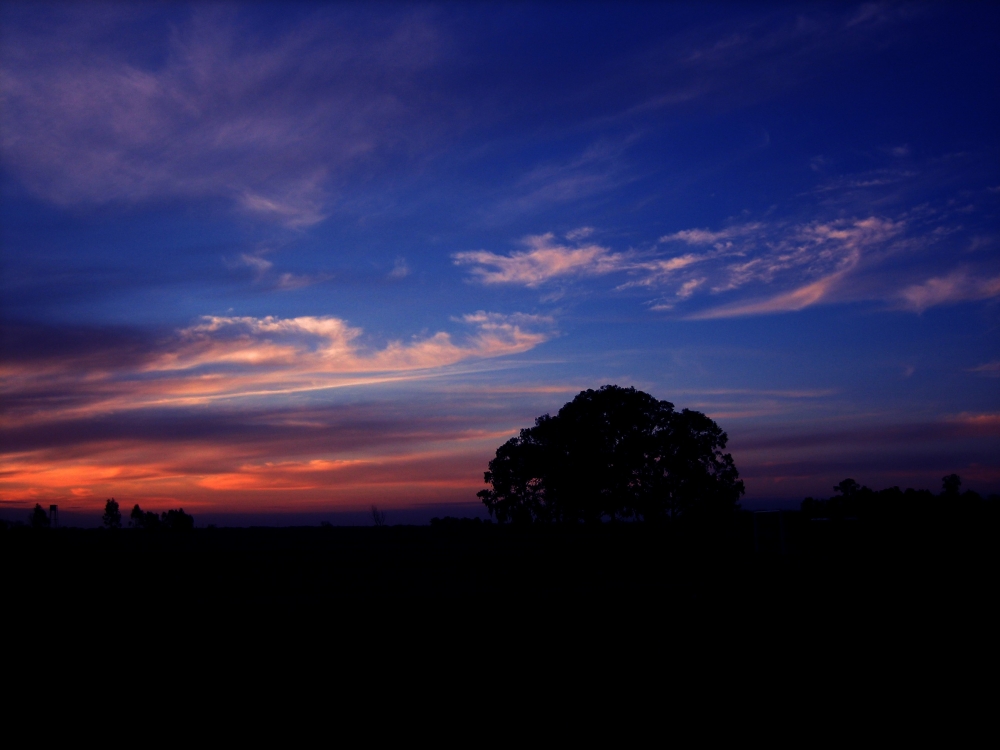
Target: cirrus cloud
[
  {"x": 223, "y": 357},
  {"x": 806, "y": 261},
  {"x": 544, "y": 261},
  {"x": 958, "y": 286},
  {"x": 267, "y": 124}
]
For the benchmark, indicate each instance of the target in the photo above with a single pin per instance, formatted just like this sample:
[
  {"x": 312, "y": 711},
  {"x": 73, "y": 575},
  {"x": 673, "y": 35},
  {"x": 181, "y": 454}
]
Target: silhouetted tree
[
  {"x": 614, "y": 453},
  {"x": 177, "y": 520},
  {"x": 378, "y": 516},
  {"x": 143, "y": 520},
  {"x": 112, "y": 517},
  {"x": 38, "y": 518},
  {"x": 172, "y": 520},
  {"x": 951, "y": 485},
  {"x": 848, "y": 488},
  {"x": 848, "y": 500}
]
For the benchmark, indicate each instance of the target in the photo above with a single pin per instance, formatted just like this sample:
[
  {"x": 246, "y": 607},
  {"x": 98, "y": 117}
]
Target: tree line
[
  {"x": 170, "y": 520},
  {"x": 855, "y": 502}
]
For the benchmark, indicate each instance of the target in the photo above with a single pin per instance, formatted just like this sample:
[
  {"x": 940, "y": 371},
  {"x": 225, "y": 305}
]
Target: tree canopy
[
  {"x": 614, "y": 453},
  {"x": 112, "y": 518}
]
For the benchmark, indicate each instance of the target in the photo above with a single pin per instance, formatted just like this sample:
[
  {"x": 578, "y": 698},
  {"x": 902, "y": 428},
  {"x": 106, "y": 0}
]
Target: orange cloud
[
  {"x": 797, "y": 299},
  {"x": 151, "y": 422},
  {"x": 230, "y": 357},
  {"x": 160, "y": 479}
]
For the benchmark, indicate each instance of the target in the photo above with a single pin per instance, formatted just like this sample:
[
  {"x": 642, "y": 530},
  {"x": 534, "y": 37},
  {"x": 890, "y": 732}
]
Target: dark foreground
[{"x": 783, "y": 565}]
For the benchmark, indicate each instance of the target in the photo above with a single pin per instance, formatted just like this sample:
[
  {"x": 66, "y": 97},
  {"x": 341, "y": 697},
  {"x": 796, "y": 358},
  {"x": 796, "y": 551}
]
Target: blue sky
[{"x": 279, "y": 258}]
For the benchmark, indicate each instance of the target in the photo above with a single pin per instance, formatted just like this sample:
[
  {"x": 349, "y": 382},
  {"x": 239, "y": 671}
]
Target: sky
[{"x": 281, "y": 261}]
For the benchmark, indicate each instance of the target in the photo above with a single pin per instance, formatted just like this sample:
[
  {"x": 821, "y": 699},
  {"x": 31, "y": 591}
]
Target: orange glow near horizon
[
  {"x": 242, "y": 376},
  {"x": 242, "y": 415},
  {"x": 230, "y": 485}
]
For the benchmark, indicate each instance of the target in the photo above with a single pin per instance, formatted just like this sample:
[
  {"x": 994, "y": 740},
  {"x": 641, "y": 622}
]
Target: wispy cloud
[
  {"x": 400, "y": 269},
  {"x": 958, "y": 286},
  {"x": 807, "y": 262},
  {"x": 720, "y": 238},
  {"x": 257, "y": 262},
  {"x": 267, "y": 123},
  {"x": 229, "y": 357},
  {"x": 988, "y": 369},
  {"x": 579, "y": 234},
  {"x": 599, "y": 168},
  {"x": 264, "y": 273},
  {"x": 804, "y": 250},
  {"x": 297, "y": 205},
  {"x": 293, "y": 353},
  {"x": 748, "y": 59},
  {"x": 288, "y": 281},
  {"x": 816, "y": 248},
  {"x": 659, "y": 271},
  {"x": 797, "y": 299},
  {"x": 545, "y": 260}
]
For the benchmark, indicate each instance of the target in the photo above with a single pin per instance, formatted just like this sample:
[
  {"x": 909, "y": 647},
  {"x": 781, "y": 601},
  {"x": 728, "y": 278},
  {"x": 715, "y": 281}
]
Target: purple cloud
[{"x": 269, "y": 126}]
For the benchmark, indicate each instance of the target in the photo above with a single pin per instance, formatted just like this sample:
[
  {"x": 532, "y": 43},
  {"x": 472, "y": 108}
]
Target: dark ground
[
  {"x": 465, "y": 618},
  {"x": 813, "y": 567}
]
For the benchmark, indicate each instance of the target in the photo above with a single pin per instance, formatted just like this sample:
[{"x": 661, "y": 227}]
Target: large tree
[{"x": 613, "y": 453}]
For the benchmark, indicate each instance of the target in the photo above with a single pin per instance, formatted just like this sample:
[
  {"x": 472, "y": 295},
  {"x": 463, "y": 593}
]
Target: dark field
[{"x": 808, "y": 567}]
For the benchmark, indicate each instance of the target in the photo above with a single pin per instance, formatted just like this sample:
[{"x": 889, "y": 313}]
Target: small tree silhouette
[
  {"x": 951, "y": 485},
  {"x": 143, "y": 520},
  {"x": 378, "y": 516},
  {"x": 38, "y": 518},
  {"x": 177, "y": 520},
  {"x": 112, "y": 517},
  {"x": 848, "y": 488}
]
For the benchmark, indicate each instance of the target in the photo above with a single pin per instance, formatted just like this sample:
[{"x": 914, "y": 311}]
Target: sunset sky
[{"x": 279, "y": 261}]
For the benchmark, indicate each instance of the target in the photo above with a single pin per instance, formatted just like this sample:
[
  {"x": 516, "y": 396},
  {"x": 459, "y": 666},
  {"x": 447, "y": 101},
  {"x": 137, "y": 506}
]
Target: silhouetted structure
[
  {"x": 615, "y": 453},
  {"x": 53, "y": 516}
]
